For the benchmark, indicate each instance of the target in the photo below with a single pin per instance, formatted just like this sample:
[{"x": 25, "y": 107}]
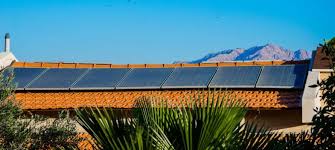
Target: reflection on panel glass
[
  {"x": 104, "y": 78},
  {"x": 239, "y": 77},
  {"x": 285, "y": 76},
  {"x": 145, "y": 78},
  {"x": 197, "y": 77},
  {"x": 57, "y": 78}
]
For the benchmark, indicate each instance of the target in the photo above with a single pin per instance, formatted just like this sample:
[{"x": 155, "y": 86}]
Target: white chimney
[{"x": 7, "y": 43}]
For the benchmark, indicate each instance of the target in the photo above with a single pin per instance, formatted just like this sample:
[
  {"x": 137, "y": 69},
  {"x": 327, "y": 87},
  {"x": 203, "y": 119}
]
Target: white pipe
[{"x": 7, "y": 43}]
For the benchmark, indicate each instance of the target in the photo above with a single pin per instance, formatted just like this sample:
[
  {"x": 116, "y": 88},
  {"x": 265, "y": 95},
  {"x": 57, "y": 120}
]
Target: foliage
[
  {"x": 57, "y": 133},
  {"x": 20, "y": 131},
  {"x": 13, "y": 133},
  {"x": 201, "y": 123},
  {"x": 324, "y": 121},
  {"x": 112, "y": 129}
]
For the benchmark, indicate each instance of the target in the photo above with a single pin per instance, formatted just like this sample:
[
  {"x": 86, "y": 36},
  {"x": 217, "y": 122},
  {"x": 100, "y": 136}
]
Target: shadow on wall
[{"x": 284, "y": 120}]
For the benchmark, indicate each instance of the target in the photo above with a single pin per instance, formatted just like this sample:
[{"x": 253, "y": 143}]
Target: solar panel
[
  {"x": 23, "y": 76},
  {"x": 197, "y": 77},
  {"x": 145, "y": 78},
  {"x": 54, "y": 79},
  {"x": 235, "y": 77},
  {"x": 285, "y": 76},
  {"x": 104, "y": 78}
]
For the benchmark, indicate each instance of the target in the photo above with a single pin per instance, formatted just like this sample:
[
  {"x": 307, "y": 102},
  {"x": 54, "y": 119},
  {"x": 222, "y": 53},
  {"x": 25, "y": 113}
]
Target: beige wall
[
  {"x": 279, "y": 120},
  {"x": 324, "y": 75}
]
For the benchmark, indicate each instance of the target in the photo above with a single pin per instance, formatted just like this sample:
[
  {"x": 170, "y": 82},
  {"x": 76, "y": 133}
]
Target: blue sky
[{"x": 157, "y": 31}]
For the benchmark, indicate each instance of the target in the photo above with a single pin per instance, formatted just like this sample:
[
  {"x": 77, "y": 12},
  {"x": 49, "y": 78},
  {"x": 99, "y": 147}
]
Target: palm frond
[
  {"x": 201, "y": 123},
  {"x": 111, "y": 129},
  {"x": 204, "y": 121}
]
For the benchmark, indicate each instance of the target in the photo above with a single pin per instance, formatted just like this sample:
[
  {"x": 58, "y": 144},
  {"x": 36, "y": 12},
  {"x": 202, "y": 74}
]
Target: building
[{"x": 277, "y": 93}]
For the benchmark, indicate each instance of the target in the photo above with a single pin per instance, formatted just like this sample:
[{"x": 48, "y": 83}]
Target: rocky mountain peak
[{"x": 268, "y": 51}]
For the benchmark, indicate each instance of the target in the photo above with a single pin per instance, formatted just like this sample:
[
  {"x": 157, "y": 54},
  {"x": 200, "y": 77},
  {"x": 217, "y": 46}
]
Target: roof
[
  {"x": 92, "y": 65},
  {"x": 55, "y": 99},
  {"x": 254, "y": 99}
]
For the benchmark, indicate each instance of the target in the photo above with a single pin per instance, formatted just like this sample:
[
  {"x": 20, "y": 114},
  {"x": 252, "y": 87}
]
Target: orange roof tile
[
  {"x": 267, "y": 99},
  {"x": 88, "y": 65},
  {"x": 86, "y": 143}
]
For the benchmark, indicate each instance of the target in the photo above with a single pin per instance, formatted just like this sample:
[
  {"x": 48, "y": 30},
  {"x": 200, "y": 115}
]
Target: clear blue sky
[{"x": 156, "y": 31}]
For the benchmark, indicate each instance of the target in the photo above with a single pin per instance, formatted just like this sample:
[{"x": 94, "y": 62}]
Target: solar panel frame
[
  {"x": 130, "y": 82},
  {"x": 119, "y": 72},
  {"x": 194, "y": 75},
  {"x": 264, "y": 78},
  {"x": 236, "y": 77},
  {"x": 50, "y": 73}
]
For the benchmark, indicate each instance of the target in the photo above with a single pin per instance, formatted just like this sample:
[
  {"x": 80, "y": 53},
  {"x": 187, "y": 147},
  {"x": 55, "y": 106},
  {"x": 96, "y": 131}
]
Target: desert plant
[
  {"x": 113, "y": 129},
  {"x": 201, "y": 123}
]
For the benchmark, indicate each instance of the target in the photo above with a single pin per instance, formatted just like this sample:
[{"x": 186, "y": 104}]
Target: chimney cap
[{"x": 7, "y": 36}]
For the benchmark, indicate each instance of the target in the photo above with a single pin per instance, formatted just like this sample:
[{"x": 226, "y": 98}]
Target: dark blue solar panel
[
  {"x": 56, "y": 79},
  {"x": 285, "y": 76},
  {"x": 23, "y": 76},
  {"x": 145, "y": 78},
  {"x": 104, "y": 78},
  {"x": 197, "y": 77},
  {"x": 235, "y": 77}
]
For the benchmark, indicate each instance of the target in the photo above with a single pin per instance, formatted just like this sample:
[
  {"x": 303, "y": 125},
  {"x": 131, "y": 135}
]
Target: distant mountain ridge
[{"x": 265, "y": 52}]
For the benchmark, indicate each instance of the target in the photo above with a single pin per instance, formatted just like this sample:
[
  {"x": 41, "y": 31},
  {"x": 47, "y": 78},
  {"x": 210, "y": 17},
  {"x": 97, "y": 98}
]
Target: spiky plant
[
  {"x": 113, "y": 129},
  {"x": 212, "y": 122},
  {"x": 201, "y": 123}
]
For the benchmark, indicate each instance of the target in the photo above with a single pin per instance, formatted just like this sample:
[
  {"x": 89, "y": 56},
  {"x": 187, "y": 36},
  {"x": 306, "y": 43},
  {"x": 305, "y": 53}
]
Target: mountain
[{"x": 265, "y": 52}]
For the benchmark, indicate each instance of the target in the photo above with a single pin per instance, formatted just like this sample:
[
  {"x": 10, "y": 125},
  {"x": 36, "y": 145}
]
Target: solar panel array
[
  {"x": 190, "y": 77},
  {"x": 54, "y": 79},
  {"x": 286, "y": 76},
  {"x": 23, "y": 76},
  {"x": 236, "y": 77},
  {"x": 145, "y": 78},
  {"x": 283, "y": 76},
  {"x": 104, "y": 78}
]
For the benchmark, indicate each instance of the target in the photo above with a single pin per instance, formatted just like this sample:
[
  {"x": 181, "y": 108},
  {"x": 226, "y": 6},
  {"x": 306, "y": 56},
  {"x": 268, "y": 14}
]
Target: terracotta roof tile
[
  {"x": 126, "y": 99},
  {"x": 88, "y": 65},
  {"x": 86, "y": 143}
]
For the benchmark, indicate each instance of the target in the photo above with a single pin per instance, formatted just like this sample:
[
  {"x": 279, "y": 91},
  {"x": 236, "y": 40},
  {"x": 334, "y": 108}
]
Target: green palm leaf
[{"x": 212, "y": 122}]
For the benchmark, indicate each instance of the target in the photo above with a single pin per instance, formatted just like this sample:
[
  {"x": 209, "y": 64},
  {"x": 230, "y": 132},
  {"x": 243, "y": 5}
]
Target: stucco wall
[
  {"x": 279, "y": 120},
  {"x": 324, "y": 75}
]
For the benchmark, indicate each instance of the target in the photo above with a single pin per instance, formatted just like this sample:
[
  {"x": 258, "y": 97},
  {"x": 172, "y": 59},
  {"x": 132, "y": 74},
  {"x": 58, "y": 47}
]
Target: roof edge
[{"x": 93, "y": 65}]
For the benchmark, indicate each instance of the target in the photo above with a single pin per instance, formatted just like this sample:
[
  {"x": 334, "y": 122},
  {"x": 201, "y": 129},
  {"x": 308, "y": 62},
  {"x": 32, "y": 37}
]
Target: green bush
[
  {"x": 20, "y": 131},
  {"x": 323, "y": 130}
]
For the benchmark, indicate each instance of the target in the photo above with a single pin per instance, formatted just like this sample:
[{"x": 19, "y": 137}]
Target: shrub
[
  {"x": 20, "y": 131},
  {"x": 323, "y": 129}
]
